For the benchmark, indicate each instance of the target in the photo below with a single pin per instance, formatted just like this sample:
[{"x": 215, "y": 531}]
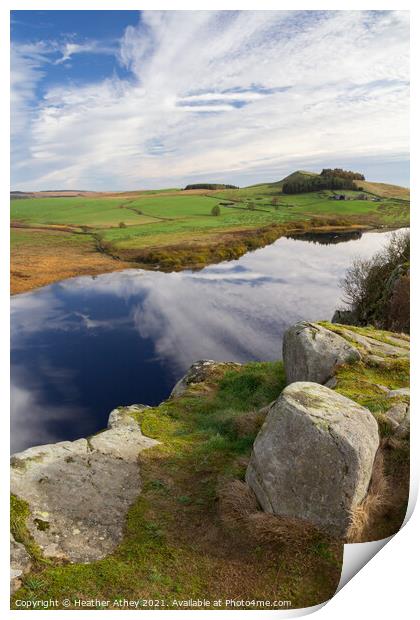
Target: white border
[{"x": 386, "y": 586}]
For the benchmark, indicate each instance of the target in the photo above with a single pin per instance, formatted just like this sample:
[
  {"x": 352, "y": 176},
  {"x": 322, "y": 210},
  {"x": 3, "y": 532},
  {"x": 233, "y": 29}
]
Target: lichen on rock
[
  {"x": 313, "y": 457},
  {"x": 312, "y": 353},
  {"x": 79, "y": 492}
]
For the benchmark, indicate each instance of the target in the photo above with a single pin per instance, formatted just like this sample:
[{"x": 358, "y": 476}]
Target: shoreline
[{"x": 229, "y": 246}]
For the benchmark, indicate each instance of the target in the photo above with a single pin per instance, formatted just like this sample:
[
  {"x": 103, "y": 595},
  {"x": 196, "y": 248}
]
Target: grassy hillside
[
  {"x": 173, "y": 229},
  {"x": 384, "y": 190}
]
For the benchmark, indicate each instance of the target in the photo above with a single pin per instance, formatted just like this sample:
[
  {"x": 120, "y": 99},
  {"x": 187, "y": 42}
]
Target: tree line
[
  {"x": 210, "y": 186},
  {"x": 317, "y": 183},
  {"x": 343, "y": 174}
]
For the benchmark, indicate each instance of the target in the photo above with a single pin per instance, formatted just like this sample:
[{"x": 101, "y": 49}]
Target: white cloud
[
  {"x": 94, "y": 47},
  {"x": 225, "y": 95}
]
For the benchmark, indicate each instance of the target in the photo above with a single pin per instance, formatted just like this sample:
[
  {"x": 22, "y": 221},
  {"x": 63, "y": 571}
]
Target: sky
[{"x": 123, "y": 100}]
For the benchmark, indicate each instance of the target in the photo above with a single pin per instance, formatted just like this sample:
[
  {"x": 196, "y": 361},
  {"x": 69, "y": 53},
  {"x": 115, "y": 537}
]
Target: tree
[
  {"x": 210, "y": 186},
  {"x": 344, "y": 174},
  {"x": 317, "y": 183},
  {"x": 377, "y": 289},
  {"x": 215, "y": 210}
]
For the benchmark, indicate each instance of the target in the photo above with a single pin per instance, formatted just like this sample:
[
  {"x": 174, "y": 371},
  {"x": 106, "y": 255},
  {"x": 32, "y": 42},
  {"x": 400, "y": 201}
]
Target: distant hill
[
  {"x": 385, "y": 190},
  {"x": 53, "y": 193},
  {"x": 299, "y": 175}
]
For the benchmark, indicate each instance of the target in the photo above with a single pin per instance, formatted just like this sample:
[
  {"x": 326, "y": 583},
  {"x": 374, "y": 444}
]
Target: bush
[
  {"x": 377, "y": 289},
  {"x": 251, "y": 206},
  {"x": 215, "y": 210},
  {"x": 122, "y": 225}
]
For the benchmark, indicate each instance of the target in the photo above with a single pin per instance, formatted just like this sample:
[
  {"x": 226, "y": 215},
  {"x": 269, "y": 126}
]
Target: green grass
[
  {"x": 21, "y": 238},
  {"x": 175, "y": 230},
  {"x": 175, "y": 207},
  {"x": 19, "y": 513},
  {"x": 158, "y": 213},
  {"x": 174, "y": 546}
]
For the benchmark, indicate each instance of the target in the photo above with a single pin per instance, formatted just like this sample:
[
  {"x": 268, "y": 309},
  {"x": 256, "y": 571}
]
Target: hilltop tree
[
  {"x": 343, "y": 174},
  {"x": 317, "y": 183}
]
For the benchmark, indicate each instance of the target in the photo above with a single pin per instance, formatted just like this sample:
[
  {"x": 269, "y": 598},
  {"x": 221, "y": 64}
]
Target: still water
[{"x": 86, "y": 345}]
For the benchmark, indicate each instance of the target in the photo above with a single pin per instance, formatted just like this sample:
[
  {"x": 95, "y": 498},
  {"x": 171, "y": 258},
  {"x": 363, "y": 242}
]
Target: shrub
[
  {"x": 377, "y": 289},
  {"x": 122, "y": 225},
  {"x": 251, "y": 206},
  {"x": 215, "y": 210}
]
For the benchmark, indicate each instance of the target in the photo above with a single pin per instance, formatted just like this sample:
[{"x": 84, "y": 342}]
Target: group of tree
[
  {"x": 343, "y": 174},
  {"x": 377, "y": 290},
  {"x": 210, "y": 186},
  {"x": 317, "y": 183}
]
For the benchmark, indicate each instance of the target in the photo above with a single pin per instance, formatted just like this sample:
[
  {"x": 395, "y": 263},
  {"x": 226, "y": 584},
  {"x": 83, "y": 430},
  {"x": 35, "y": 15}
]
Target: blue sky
[{"x": 126, "y": 99}]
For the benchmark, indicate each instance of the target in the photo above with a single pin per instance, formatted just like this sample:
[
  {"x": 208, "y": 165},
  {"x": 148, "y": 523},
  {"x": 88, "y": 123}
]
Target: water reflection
[
  {"x": 86, "y": 345},
  {"x": 327, "y": 238}
]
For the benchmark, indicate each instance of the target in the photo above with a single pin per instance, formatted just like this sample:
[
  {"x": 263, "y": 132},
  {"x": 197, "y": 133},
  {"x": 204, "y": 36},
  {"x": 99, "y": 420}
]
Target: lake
[{"x": 83, "y": 346}]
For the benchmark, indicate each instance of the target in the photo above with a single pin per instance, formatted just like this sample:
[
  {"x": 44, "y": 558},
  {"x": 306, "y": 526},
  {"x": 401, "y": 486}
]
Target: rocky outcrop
[
  {"x": 312, "y": 353},
  {"x": 201, "y": 372},
  {"x": 394, "y": 347},
  {"x": 398, "y": 419},
  {"x": 313, "y": 457},
  {"x": 20, "y": 563},
  {"x": 79, "y": 492}
]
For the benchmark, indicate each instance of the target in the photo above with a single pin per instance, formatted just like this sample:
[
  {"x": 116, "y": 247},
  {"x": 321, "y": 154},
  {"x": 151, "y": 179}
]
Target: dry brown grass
[
  {"x": 59, "y": 256},
  {"x": 250, "y": 423},
  {"x": 386, "y": 190},
  {"x": 364, "y": 517},
  {"x": 238, "y": 508}
]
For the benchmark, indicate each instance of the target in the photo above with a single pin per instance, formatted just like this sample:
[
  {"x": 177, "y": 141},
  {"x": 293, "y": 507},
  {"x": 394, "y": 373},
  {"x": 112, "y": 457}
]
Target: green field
[
  {"x": 173, "y": 229},
  {"x": 171, "y": 214}
]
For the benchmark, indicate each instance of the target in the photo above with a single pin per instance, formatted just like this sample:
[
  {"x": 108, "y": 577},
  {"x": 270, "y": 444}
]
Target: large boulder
[
  {"x": 79, "y": 492},
  {"x": 312, "y": 353},
  {"x": 313, "y": 457}
]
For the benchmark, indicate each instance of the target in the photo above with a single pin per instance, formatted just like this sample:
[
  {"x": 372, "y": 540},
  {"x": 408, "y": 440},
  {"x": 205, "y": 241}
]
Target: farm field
[{"x": 61, "y": 236}]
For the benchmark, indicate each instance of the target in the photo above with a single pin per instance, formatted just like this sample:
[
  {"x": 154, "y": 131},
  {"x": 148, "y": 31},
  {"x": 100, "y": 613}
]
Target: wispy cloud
[
  {"x": 92, "y": 47},
  {"x": 217, "y": 96}
]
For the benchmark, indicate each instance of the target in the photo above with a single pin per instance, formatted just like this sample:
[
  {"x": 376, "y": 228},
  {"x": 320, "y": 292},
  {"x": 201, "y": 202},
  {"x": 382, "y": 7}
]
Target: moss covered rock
[{"x": 313, "y": 458}]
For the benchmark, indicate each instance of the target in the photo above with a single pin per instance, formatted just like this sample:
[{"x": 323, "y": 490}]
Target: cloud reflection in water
[{"x": 86, "y": 345}]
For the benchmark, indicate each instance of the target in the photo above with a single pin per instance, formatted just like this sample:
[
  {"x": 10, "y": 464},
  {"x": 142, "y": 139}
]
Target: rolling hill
[{"x": 62, "y": 234}]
